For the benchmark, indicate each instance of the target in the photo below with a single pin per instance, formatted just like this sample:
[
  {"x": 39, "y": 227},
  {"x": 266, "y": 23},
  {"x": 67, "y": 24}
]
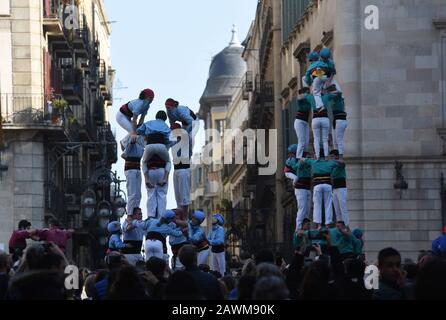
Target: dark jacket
[{"x": 207, "y": 283}]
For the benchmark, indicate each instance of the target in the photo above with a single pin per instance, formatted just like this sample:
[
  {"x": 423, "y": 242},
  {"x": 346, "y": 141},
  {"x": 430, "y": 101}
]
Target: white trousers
[
  {"x": 181, "y": 184},
  {"x": 318, "y": 85},
  {"x": 321, "y": 131},
  {"x": 322, "y": 192},
  {"x": 219, "y": 262},
  {"x": 153, "y": 248},
  {"x": 156, "y": 196},
  {"x": 133, "y": 189},
  {"x": 303, "y": 198},
  {"x": 124, "y": 122},
  {"x": 302, "y": 129},
  {"x": 203, "y": 257},
  {"x": 340, "y": 205},
  {"x": 338, "y": 136}
]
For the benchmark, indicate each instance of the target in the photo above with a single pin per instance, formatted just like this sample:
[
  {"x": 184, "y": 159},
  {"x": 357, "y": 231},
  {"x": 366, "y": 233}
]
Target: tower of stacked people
[
  {"x": 146, "y": 154},
  {"x": 319, "y": 175}
]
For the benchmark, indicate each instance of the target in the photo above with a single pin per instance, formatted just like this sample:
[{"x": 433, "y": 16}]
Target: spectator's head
[
  {"x": 430, "y": 283},
  {"x": 89, "y": 286},
  {"x": 140, "y": 266},
  {"x": 188, "y": 256},
  {"x": 115, "y": 261},
  {"x": 249, "y": 268},
  {"x": 170, "y": 104},
  {"x": 411, "y": 269},
  {"x": 182, "y": 286},
  {"x": 306, "y": 224},
  {"x": 38, "y": 285},
  {"x": 264, "y": 255},
  {"x": 245, "y": 287},
  {"x": 315, "y": 283},
  {"x": 54, "y": 224},
  {"x": 229, "y": 282},
  {"x": 271, "y": 288},
  {"x": 33, "y": 258},
  {"x": 128, "y": 285},
  {"x": 5, "y": 262},
  {"x": 204, "y": 268},
  {"x": 216, "y": 274},
  {"x": 24, "y": 225},
  {"x": 389, "y": 264},
  {"x": 354, "y": 268},
  {"x": 157, "y": 266},
  {"x": 161, "y": 115},
  {"x": 267, "y": 270},
  {"x": 424, "y": 253}
]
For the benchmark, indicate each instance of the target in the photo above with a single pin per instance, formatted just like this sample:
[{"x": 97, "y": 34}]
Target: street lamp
[
  {"x": 88, "y": 204},
  {"x": 120, "y": 205},
  {"x": 104, "y": 213}
]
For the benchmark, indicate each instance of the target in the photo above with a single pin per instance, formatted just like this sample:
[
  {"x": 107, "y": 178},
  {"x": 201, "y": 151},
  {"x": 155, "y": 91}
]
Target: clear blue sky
[{"x": 168, "y": 46}]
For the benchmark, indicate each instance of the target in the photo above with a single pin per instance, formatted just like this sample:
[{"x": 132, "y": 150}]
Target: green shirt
[
  {"x": 345, "y": 244},
  {"x": 339, "y": 173},
  {"x": 303, "y": 170},
  {"x": 322, "y": 167},
  {"x": 306, "y": 104}
]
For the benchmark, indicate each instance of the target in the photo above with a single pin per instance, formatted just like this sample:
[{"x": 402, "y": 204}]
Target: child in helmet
[
  {"x": 197, "y": 236},
  {"x": 127, "y": 116},
  {"x": 326, "y": 57},
  {"x": 176, "y": 243},
  {"x": 115, "y": 242},
  {"x": 216, "y": 239},
  {"x": 316, "y": 76}
]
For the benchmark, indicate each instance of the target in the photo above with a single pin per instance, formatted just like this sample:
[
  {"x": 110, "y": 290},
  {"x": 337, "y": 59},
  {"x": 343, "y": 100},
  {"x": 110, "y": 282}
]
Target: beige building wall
[{"x": 22, "y": 186}]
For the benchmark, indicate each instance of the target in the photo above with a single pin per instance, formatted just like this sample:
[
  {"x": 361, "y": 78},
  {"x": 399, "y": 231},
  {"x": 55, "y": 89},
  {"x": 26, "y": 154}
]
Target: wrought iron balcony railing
[{"x": 28, "y": 110}]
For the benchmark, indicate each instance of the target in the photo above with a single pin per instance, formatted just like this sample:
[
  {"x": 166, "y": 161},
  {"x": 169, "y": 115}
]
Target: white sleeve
[{"x": 291, "y": 176}]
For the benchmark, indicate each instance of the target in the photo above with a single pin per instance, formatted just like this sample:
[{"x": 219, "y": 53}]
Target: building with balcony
[
  {"x": 56, "y": 82},
  {"x": 226, "y": 70},
  {"x": 392, "y": 80}
]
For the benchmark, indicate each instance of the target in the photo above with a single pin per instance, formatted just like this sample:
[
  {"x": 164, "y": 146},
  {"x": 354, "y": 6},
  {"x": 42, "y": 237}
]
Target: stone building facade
[
  {"x": 53, "y": 51},
  {"x": 393, "y": 78}
]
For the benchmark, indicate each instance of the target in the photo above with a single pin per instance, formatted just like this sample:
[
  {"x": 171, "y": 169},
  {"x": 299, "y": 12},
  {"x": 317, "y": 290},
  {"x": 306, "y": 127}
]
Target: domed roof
[{"x": 226, "y": 70}]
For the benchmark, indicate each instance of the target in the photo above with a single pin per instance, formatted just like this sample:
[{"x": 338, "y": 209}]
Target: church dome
[{"x": 226, "y": 70}]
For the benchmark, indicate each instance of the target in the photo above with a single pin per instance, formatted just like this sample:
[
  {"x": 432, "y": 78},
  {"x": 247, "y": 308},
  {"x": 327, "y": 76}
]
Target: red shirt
[
  {"x": 58, "y": 236},
  {"x": 18, "y": 239}
]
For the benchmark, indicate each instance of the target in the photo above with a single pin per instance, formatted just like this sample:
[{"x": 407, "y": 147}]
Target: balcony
[
  {"x": 81, "y": 42},
  {"x": 110, "y": 146},
  {"x": 30, "y": 112},
  {"x": 262, "y": 108},
  {"x": 53, "y": 27},
  {"x": 72, "y": 87},
  {"x": 53, "y": 18}
]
